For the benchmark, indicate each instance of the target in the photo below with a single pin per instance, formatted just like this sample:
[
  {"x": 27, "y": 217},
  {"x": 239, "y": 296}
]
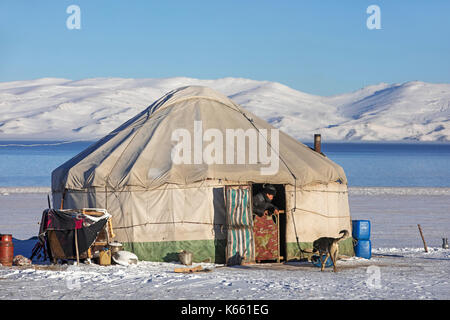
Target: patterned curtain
[{"x": 240, "y": 241}]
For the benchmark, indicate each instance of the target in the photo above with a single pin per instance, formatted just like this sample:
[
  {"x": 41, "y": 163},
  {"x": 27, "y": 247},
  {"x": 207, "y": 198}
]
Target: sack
[{"x": 20, "y": 260}]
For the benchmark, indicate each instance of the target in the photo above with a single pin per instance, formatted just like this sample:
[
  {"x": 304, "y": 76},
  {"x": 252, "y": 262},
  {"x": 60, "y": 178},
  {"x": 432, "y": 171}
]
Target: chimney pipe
[{"x": 317, "y": 143}]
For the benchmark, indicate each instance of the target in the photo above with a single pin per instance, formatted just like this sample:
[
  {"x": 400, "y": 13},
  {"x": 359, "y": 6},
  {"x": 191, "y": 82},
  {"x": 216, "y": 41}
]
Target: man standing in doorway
[{"x": 262, "y": 201}]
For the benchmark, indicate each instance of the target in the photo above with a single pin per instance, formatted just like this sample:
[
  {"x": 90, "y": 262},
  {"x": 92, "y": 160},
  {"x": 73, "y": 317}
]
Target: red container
[{"x": 6, "y": 250}]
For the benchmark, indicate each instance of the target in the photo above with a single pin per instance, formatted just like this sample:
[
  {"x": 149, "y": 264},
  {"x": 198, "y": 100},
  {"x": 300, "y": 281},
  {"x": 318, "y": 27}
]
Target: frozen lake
[{"x": 365, "y": 164}]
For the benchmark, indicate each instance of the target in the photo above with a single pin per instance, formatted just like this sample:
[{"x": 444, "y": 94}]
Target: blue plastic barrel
[
  {"x": 363, "y": 249},
  {"x": 361, "y": 229}
]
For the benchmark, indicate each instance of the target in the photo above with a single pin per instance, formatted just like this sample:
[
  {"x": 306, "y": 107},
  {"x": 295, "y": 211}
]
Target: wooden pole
[
  {"x": 62, "y": 199},
  {"x": 423, "y": 239},
  {"x": 76, "y": 247},
  {"x": 188, "y": 270}
]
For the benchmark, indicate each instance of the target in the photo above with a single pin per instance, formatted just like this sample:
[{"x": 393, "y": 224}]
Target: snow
[
  {"x": 63, "y": 109},
  {"x": 399, "y": 267}
]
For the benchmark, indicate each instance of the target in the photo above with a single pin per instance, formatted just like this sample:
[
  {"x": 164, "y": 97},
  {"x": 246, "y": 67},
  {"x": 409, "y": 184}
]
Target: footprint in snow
[
  {"x": 146, "y": 281},
  {"x": 226, "y": 283}
]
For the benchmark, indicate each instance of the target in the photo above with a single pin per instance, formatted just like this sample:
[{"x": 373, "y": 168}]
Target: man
[{"x": 262, "y": 201}]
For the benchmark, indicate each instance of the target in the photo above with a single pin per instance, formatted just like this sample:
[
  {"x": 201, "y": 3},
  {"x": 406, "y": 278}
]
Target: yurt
[{"x": 181, "y": 175}]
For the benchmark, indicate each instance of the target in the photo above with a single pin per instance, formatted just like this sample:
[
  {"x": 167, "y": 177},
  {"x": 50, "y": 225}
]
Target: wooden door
[{"x": 267, "y": 239}]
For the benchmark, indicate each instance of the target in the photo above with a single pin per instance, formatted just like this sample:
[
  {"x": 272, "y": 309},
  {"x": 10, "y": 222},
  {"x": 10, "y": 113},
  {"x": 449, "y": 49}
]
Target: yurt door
[{"x": 240, "y": 242}]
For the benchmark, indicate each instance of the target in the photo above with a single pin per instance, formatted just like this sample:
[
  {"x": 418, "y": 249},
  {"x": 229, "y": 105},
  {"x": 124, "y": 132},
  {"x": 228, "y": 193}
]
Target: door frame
[{"x": 281, "y": 221}]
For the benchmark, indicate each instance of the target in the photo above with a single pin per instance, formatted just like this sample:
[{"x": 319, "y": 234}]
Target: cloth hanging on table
[{"x": 65, "y": 223}]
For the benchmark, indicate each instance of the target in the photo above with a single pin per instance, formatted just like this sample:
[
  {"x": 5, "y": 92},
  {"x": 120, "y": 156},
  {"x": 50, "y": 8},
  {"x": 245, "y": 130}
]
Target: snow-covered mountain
[{"x": 61, "y": 109}]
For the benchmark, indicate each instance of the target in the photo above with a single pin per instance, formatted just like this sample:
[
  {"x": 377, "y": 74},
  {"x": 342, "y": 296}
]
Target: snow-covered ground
[
  {"x": 398, "y": 269},
  {"x": 88, "y": 109}
]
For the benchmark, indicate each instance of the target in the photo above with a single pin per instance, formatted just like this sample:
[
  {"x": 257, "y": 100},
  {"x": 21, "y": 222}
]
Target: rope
[
  {"x": 295, "y": 184},
  {"x": 320, "y": 214},
  {"x": 324, "y": 191},
  {"x": 172, "y": 222},
  {"x": 278, "y": 154},
  {"x": 293, "y": 219}
]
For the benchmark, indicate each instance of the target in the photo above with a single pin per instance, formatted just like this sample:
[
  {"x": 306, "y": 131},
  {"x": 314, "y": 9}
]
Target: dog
[{"x": 329, "y": 246}]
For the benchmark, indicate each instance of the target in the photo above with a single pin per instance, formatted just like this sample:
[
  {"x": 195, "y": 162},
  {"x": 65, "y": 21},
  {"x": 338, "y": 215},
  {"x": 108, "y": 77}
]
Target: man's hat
[{"x": 270, "y": 189}]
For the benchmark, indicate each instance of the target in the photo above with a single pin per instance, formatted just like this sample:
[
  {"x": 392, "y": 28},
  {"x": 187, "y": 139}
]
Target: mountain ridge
[{"x": 64, "y": 109}]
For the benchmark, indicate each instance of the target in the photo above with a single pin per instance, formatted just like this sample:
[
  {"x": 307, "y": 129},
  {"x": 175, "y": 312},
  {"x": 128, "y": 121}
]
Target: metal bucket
[
  {"x": 6, "y": 250},
  {"x": 185, "y": 258},
  {"x": 115, "y": 247},
  {"x": 444, "y": 243}
]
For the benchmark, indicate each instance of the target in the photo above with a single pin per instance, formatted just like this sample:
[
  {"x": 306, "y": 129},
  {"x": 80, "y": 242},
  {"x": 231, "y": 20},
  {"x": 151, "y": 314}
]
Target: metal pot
[
  {"x": 185, "y": 258},
  {"x": 115, "y": 247}
]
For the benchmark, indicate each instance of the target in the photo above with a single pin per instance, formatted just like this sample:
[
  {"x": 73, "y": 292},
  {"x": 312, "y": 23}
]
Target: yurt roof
[{"x": 139, "y": 153}]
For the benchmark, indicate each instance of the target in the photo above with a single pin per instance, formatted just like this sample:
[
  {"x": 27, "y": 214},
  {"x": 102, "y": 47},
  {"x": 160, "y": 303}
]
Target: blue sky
[{"x": 319, "y": 47}]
